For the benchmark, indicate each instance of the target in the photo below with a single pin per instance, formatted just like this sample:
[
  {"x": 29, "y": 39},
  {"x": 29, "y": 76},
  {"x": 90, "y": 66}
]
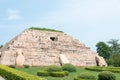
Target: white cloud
[{"x": 13, "y": 14}]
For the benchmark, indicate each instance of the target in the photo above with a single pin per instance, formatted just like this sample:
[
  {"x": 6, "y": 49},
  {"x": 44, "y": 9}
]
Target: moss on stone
[{"x": 44, "y": 29}]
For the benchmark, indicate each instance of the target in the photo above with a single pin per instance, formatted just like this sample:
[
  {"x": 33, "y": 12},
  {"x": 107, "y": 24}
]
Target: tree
[
  {"x": 116, "y": 60},
  {"x": 103, "y": 49},
  {"x": 110, "y": 51},
  {"x": 1, "y": 46},
  {"x": 115, "y": 46}
]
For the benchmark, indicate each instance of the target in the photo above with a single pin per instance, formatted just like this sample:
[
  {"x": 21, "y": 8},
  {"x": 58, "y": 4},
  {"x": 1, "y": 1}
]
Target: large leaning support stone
[
  {"x": 20, "y": 58},
  {"x": 101, "y": 61},
  {"x": 63, "y": 59}
]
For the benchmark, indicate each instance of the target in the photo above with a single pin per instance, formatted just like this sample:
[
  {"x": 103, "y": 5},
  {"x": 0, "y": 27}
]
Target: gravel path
[{"x": 1, "y": 78}]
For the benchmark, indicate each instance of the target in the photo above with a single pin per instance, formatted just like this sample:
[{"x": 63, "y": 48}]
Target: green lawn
[{"x": 33, "y": 70}]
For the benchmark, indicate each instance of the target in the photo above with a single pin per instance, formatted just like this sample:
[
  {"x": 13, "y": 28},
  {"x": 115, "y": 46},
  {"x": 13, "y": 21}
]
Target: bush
[
  {"x": 94, "y": 68},
  {"x": 69, "y": 67},
  {"x": 112, "y": 69},
  {"x": 76, "y": 78},
  {"x": 53, "y": 74},
  {"x": 43, "y": 73},
  {"x": 54, "y": 68},
  {"x": 12, "y": 66},
  {"x": 58, "y": 74},
  {"x": 26, "y": 66},
  {"x": 12, "y": 74},
  {"x": 87, "y": 76},
  {"x": 54, "y": 71},
  {"x": 106, "y": 75},
  {"x": 66, "y": 73}
]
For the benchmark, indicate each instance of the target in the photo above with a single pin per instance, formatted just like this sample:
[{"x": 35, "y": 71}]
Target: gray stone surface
[{"x": 42, "y": 48}]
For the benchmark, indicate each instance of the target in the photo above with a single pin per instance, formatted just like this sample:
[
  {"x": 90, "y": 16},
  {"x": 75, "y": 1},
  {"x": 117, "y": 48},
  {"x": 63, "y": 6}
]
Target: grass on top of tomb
[
  {"x": 44, "y": 29},
  {"x": 71, "y": 76}
]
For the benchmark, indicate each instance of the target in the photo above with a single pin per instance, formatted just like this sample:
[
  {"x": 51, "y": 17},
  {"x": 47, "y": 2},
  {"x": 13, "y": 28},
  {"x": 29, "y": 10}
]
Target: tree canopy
[
  {"x": 103, "y": 49},
  {"x": 110, "y": 51},
  {"x": 114, "y": 45},
  {"x": 1, "y": 46}
]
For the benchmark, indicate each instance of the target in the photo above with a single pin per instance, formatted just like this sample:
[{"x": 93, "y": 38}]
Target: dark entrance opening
[
  {"x": 97, "y": 63},
  {"x": 54, "y": 38}
]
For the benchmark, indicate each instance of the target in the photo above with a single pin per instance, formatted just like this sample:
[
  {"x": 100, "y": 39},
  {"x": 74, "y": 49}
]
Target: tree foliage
[
  {"x": 110, "y": 51},
  {"x": 114, "y": 45},
  {"x": 1, "y": 46},
  {"x": 116, "y": 60},
  {"x": 103, "y": 49}
]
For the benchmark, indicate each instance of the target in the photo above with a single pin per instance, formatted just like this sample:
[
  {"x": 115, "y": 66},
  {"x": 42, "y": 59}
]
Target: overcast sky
[{"x": 90, "y": 21}]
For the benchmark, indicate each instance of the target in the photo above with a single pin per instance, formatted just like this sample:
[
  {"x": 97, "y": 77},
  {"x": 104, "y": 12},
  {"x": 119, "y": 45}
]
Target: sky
[{"x": 90, "y": 21}]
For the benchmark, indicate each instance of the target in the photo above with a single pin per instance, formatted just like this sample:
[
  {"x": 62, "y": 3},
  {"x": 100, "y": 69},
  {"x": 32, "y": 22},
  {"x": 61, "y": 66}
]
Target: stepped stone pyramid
[{"x": 42, "y": 48}]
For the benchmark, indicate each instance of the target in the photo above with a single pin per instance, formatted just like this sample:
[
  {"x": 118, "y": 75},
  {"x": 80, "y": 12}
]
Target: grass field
[{"x": 33, "y": 70}]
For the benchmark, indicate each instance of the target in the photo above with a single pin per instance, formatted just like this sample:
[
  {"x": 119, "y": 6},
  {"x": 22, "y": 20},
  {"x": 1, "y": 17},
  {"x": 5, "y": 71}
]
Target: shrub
[
  {"x": 69, "y": 67},
  {"x": 87, "y": 76},
  {"x": 12, "y": 66},
  {"x": 96, "y": 68},
  {"x": 12, "y": 74},
  {"x": 53, "y": 74},
  {"x": 54, "y": 71},
  {"x": 43, "y": 73},
  {"x": 106, "y": 75},
  {"x": 26, "y": 66},
  {"x": 54, "y": 68},
  {"x": 76, "y": 78},
  {"x": 58, "y": 74},
  {"x": 112, "y": 69},
  {"x": 66, "y": 73}
]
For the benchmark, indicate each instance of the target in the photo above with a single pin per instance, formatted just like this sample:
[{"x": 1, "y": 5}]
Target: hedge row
[
  {"x": 85, "y": 76},
  {"x": 12, "y": 74},
  {"x": 43, "y": 73},
  {"x": 69, "y": 67},
  {"x": 66, "y": 67},
  {"x": 13, "y": 66},
  {"x": 106, "y": 75},
  {"x": 53, "y": 68},
  {"x": 53, "y": 74},
  {"x": 57, "y": 71},
  {"x": 112, "y": 69}
]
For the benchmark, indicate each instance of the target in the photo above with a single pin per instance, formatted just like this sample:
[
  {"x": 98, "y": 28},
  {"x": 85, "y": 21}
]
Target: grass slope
[
  {"x": 33, "y": 70},
  {"x": 44, "y": 29}
]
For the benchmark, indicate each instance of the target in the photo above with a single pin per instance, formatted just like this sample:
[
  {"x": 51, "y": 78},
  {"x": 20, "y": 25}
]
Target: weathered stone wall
[{"x": 41, "y": 48}]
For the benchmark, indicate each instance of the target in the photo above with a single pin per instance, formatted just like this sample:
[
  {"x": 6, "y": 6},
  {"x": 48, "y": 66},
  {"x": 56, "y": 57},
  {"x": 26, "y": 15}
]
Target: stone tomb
[{"x": 42, "y": 48}]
